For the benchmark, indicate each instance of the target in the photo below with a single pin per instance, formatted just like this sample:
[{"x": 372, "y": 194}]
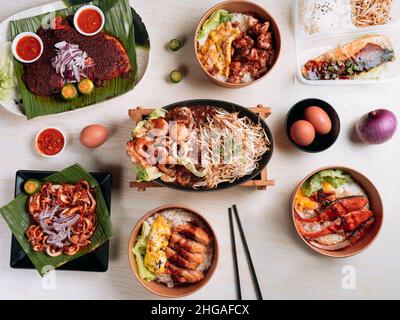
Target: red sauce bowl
[
  {"x": 89, "y": 20},
  {"x": 27, "y": 47},
  {"x": 50, "y": 142}
]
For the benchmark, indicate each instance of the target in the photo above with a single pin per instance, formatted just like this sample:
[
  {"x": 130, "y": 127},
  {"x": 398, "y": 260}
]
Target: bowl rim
[
  {"x": 37, "y": 137},
  {"x": 277, "y": 35},
  {"x": 19, "y": 37},
  {"x": 324, "y": 252},
  {"x": 79, "y": 11},
  {"x": 215, "y": 259},
  {"x": 287, "y": 129}
]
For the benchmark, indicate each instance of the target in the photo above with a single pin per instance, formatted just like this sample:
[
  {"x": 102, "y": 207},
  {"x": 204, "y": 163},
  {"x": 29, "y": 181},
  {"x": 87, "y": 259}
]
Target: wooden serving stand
[{"x": 261, "y": 182}]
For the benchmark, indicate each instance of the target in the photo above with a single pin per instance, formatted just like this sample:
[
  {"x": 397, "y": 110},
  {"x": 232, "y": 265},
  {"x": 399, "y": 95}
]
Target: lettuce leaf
[
  {"x": 140, "y": 250},
  {"x": 158, "y": 113},
  {"x": 139, "y": 129},
  {"x": 218, "y": 17},
  {"x": 335, "y": 177},
  {"x": 188, "y": 164},
  {"x": 8, "y": 80},
  {"x": 146, "y": 174}
]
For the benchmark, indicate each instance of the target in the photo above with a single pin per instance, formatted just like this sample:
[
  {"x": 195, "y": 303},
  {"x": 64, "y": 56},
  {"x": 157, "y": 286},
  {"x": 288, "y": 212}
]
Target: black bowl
[
  {"x": 230, "y": 107},
  {"x": 321, "y": 142}
]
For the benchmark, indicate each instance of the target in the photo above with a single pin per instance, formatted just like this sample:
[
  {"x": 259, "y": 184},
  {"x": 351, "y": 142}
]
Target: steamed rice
[
  {"x": 242, "y": 19},
  {"x": 324, "y": 15},
  {"x": 350, "y": 189}
]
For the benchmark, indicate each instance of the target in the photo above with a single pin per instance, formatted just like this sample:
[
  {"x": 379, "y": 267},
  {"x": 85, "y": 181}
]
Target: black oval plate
[{"x": 230, "y": 107}]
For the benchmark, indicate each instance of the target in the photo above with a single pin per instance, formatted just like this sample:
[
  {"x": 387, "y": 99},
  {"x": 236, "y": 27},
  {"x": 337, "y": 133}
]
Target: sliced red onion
[
  {"x": 70, "y": 62},
  {"x": 59, "y": 228}
]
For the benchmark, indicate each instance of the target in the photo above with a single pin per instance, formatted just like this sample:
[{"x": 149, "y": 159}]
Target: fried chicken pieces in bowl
[{"x": 173, "y": 251}]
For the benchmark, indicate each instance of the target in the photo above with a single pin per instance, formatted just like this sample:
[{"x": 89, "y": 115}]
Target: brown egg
[
  {"x": 302, "y": 132},
  {"x": 93, "y": 136},
  {"x": 319, "y": 119}
]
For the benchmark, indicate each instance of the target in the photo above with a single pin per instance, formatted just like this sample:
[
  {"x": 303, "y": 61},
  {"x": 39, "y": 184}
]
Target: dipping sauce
[
  {"x": 50, "y": 142},
  {"x": 89, "y": 20},
  {"x": 28, "y": 48}
]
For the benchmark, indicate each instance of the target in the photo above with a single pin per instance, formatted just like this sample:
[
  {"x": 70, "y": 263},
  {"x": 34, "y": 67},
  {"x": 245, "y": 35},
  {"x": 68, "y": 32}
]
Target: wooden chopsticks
[{"x": 247, "y": 252}]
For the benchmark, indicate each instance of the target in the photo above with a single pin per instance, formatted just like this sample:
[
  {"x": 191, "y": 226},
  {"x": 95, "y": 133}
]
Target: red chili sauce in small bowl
[
  {"x": 28, "y": 48},
  {"x": 50, "y": 142},
  {"x": 89, "y": 20}
]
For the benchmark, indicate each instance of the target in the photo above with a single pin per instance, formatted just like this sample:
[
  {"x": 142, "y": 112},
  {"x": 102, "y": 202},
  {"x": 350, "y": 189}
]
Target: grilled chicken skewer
[
  {"x": 187, "y": 244},
  {"x": 195, "y": 257},
  {"x": 184, "y": 275},
  {"x": 195, "y": 233},
  {"x": 175, "y": 257}
]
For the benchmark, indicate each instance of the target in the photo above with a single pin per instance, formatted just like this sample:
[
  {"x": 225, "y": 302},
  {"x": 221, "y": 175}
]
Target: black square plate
[{"x": 96, "y": 260}]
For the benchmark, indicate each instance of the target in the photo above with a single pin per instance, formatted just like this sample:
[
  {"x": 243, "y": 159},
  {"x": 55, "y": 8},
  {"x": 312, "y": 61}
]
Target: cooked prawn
[
  {"x": 179, "y": 132},
  {"x": 157, "y": 127}
]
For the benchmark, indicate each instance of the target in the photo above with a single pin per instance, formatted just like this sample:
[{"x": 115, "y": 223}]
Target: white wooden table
[{"x": 286, "y": 267}]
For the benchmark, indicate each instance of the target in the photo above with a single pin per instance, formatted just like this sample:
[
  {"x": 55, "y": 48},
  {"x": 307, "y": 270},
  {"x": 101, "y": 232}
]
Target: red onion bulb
[{"x": 377, "y": 127}]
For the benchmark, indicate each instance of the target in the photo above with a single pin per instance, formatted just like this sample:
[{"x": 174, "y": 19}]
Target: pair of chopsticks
[{"x": 247, "y": 252}]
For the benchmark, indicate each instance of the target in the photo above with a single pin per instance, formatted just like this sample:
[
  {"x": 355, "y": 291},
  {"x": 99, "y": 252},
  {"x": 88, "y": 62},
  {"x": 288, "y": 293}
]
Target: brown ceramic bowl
[
  {"x": 241, "y": 7},
  {"x": 179, "y": 290},
  {"x": 376, "y": 207}
]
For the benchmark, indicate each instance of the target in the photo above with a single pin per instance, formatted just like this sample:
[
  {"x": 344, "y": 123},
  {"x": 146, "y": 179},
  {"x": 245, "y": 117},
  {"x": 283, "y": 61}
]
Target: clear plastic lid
[{"x": 332, "y": 27}]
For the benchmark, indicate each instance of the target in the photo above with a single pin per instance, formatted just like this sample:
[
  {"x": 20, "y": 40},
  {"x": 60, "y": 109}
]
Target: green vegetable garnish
[
  {"x": 32, "y": 186},
  {"x": 158, "y": 113},
  {"x": 174, "y": 44},
  {"x": 189, "y": 165},
  {"x": 334, "y": 177},
  {"x": 140, "y": 250},
  {"x": 86, "y": 86},
  {"x": 176, "y": 76},
  {"x": 146, "y": 174},
  {"x": 69, "y": 92},
  {"x": 8, "y": 80},
  {"x": 218, "y": 17}
]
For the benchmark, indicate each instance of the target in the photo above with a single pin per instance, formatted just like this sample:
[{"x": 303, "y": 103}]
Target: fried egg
[
  {"x": 216, "y": 54},
  {"x": 304, "y": 203},
  {"x": 155, "y": 257}
]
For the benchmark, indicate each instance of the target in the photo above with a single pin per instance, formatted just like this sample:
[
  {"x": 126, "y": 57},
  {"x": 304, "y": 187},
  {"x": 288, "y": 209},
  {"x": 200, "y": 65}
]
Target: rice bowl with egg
[
  {"x": 174, "y": 247},
  {"x": 236, "y": 48}
]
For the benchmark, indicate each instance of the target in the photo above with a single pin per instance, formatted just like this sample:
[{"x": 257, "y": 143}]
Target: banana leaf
[
  {"x": 141, "y": 35},
  {"x": 118, "y": 23},
  {"x": 18, "y": 220}
]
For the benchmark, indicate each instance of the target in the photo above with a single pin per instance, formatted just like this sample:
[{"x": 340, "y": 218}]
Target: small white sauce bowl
[
  {"x": 19, "y": 37},
  {"x": 45, "y": 155},
  {"x": 78, "y": 12}
]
